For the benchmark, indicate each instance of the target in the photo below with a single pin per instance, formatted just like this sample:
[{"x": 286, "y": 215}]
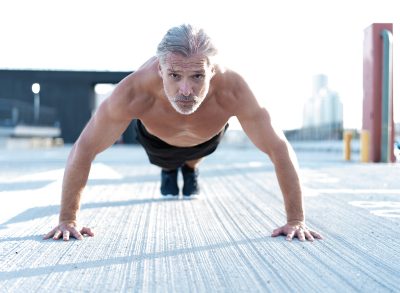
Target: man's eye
[
  {"x": 199, "y": 76},
  {"x": 174, "y": 75}
]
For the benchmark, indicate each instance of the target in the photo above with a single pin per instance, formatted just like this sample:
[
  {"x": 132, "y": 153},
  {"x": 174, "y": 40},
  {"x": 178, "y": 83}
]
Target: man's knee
[{"x": 193, "y": 163}]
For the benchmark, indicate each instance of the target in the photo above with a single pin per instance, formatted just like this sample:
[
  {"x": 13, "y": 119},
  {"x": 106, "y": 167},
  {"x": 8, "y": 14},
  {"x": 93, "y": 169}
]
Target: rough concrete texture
[{"x": 219, "y": 241}]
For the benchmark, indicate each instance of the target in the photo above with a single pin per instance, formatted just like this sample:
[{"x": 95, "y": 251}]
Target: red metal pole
[{"x": 372, "y": 86}]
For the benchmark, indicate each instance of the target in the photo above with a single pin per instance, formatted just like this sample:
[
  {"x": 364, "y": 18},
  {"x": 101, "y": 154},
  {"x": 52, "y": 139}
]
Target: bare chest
[{"x": 185, "y": 130}]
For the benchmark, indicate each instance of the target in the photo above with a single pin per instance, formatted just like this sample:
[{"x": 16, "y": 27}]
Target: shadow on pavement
[
  {"x": 17, "y": 186},
  {"x": 40, "y": 212},
  {"x": 106, "y": 262}
]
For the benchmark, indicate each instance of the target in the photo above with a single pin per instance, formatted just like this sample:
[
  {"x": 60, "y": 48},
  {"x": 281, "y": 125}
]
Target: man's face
[{"x": 186, "y": 81}]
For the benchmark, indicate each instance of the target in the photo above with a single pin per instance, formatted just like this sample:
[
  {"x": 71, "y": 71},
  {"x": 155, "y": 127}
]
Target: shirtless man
[{"x": 182, "y": 101}]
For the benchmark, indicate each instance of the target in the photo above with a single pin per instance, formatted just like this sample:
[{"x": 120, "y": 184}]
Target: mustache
[{"x": 181, "y": 98}]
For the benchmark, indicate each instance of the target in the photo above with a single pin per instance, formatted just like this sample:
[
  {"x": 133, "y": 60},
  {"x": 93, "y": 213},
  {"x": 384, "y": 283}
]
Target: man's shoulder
[
  {"x": 136, "y": 93},
  {"x": 148, "y": 72},
  {"x": 229, "y": 81},
  {"x": 225, "y": 72},
  {"x": 231, "y": 90},
  {"x": 228, "y": 78},
  {"x": 142, "y": 81},
  {"x": 151, "y": 65}
]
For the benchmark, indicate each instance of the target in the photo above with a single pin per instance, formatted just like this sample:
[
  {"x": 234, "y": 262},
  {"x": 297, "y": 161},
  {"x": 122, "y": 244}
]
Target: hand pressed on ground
[
  {"x": 298, "y": 230},
  {"x": 65, "y": 230}
]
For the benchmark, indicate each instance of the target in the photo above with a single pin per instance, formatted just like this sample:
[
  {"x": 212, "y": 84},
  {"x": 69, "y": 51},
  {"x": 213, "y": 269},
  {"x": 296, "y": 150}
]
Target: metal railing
[
  {"x": 329, "y": 131},
  {"x": 386, "y": 96},
  {"x": 13, "y": 113}
]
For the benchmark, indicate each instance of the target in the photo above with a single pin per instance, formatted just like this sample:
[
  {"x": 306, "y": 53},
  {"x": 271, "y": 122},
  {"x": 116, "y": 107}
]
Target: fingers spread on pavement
[
  {"x": 66, "y": 235},
  {"x": 57, "y": 235}
]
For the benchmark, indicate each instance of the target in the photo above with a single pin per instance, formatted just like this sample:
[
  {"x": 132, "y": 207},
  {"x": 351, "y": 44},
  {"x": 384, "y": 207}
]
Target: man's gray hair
[{"x": 186, "y": 40}]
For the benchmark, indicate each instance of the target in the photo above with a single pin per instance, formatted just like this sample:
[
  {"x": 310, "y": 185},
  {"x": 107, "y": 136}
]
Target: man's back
[
  {"x": 146, "y": 93},
  {"x": 183, "y": 100}
]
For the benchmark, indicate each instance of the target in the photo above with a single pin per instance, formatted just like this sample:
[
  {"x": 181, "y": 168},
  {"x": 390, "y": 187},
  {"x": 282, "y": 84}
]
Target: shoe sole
[
  {"x": 189, "y": 196},
  {"x": 169, "y": 196}
]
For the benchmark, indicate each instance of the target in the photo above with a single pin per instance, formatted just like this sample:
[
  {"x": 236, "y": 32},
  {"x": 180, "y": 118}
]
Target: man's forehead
[{"x": 176, "y": 62}]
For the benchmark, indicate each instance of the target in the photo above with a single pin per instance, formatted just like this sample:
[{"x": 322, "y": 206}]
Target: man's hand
[
  {"x": 67, "y": 229},
  {"x": 298, "y": 230}
]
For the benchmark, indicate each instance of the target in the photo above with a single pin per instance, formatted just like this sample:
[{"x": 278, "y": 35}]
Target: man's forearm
[
  {"x": 286, "y": 169},
  {"x": 75, "y": 178}
]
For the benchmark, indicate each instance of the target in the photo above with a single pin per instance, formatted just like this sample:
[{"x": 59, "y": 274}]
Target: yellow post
[
  {"x": 365, "y": 146},
  {"x": 347, "y": 144}
]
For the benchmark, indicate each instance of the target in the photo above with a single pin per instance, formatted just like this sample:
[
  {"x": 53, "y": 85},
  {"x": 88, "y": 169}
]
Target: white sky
[{"x": 276, "y": 45}]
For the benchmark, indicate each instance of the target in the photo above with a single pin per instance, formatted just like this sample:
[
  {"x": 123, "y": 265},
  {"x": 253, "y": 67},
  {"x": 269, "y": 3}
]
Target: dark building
[{"x": 67, "y": 98}]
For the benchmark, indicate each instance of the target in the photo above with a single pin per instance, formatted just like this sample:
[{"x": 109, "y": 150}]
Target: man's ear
[
  {"x": 159, "y": 70},
  {"x": 213, "y": 70}
]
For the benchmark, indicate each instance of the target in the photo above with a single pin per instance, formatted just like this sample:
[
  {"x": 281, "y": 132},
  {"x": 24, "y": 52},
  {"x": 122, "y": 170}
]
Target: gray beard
[{"x": 196, "y": 102}]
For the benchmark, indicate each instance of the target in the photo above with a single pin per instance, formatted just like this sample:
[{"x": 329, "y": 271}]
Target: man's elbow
[
  {"x": 279, "y": 151},
  {"x": 83, "y": 151}
]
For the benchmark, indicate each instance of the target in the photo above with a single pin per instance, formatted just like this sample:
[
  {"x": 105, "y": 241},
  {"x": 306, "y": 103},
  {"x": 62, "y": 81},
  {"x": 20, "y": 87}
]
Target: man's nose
[{"x": 185, "y": 89}]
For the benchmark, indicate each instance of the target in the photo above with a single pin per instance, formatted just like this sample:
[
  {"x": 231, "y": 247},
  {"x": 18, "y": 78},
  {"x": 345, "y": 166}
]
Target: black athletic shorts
[{"x": 168, "y": 156}]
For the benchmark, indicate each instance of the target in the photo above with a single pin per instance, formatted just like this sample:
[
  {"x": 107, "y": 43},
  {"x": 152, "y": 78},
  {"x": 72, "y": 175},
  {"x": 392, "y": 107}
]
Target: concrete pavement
[{"x": 217, "y": 242}]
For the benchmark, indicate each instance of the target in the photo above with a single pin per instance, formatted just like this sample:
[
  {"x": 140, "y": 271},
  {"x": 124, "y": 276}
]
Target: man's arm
[
  {"x": 256, "y": 123},
  {"x": 105, "y": 127}
]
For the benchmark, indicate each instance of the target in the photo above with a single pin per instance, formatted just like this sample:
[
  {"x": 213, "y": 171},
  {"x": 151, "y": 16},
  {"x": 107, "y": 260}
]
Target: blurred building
[
  {"x": 322, "y": 114},
  {"x": 324, "y": 107}
]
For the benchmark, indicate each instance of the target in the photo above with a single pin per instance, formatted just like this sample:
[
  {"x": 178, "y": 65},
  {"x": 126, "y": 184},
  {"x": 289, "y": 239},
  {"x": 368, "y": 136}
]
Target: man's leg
[
  {"x": 152, "y": 146},
  {"x": 193, "y": 163},
  {"x": 190, "y": 174},
  {"x": 169, "y": 182}
]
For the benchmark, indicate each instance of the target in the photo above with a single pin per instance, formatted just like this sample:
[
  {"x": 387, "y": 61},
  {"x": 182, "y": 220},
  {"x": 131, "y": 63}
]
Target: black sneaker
[
  {"x": 169, "y": 183},
  {"x": 190, "y": 184}
]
